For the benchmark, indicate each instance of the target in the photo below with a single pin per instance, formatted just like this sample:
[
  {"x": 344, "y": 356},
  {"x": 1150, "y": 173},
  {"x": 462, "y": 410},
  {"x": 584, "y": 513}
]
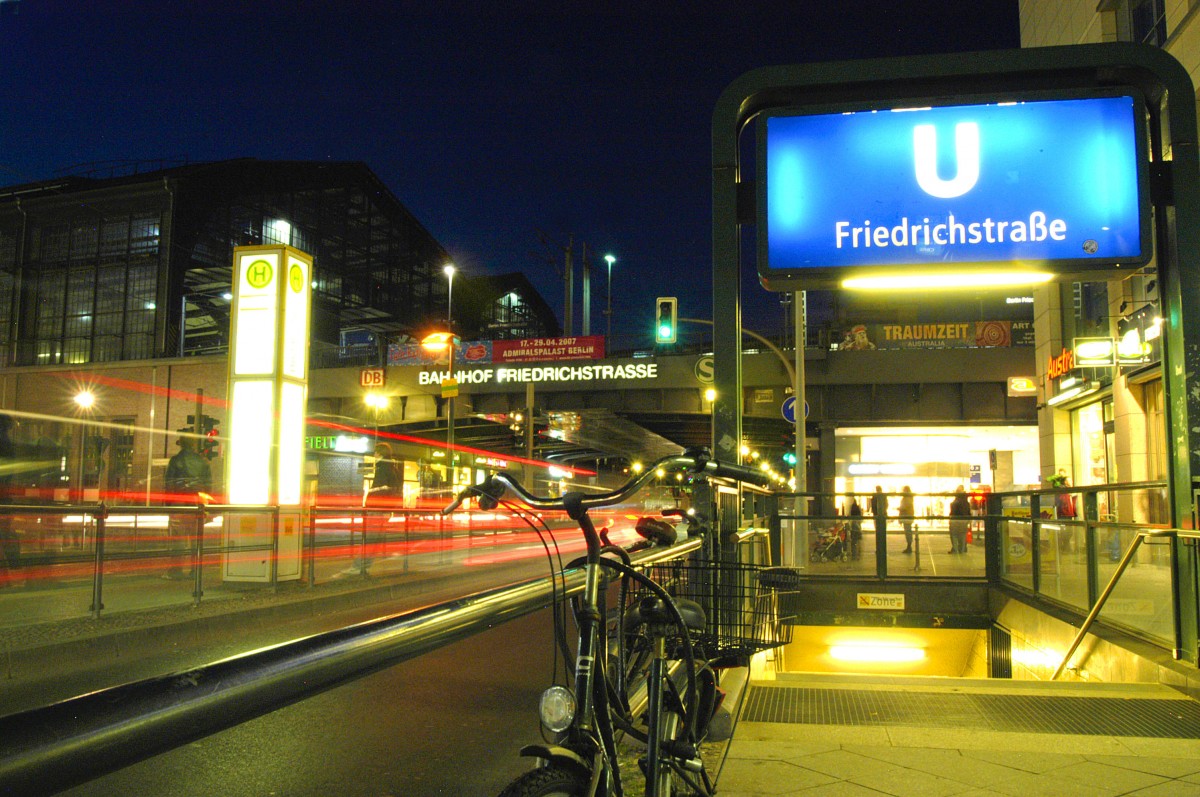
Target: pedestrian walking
[
  {"x": 188, "y": 481},
  {"x": 907, "y": 512},
  {"x": 855, "y": 513},
  {"x": 385, "y": 492},
  {"x": 960, "y": 519},
  {"x": 879, "y": 511}
]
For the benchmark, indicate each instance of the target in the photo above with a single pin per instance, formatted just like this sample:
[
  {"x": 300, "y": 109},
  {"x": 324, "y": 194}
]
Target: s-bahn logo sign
[{"x": 1060, "y": 182}]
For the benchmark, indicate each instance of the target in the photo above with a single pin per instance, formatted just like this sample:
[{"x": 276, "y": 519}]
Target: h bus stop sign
[{"x": 789, "y": 409}]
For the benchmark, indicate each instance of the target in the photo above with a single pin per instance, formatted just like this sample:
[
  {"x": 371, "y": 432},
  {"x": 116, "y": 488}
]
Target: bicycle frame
[{"x": 590, "y": 734}]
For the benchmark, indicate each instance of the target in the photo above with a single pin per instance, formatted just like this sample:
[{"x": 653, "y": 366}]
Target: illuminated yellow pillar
[{"x": 268, "y": 392}]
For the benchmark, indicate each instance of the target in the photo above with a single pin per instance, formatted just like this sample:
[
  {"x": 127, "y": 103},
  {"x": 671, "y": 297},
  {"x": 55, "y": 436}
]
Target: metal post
[
  {"x": 100, "y": 514},
  {"x": 182, "y": 321},
  {"x": 312, "y": 547},
  {"x": 800, "y": 527},
  {"x": 198, "y": 556},
  {"x": 450, "y": 422},
  {"x": 586, "y": 321},
  {"x": 569, "y": 289},
  {"x": 916, "y": 527},
  {"x": 362, "y": 559},
  {"x": 274, "y": 565},
  {"x": 608, "y": 311}
]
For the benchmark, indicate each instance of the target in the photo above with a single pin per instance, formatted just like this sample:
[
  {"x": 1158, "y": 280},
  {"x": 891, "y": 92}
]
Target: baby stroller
[{"x": 831, "y": 544}]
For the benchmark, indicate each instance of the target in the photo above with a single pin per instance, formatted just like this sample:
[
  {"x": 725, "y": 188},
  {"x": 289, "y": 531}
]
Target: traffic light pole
[{"x": 198, "y": 426}]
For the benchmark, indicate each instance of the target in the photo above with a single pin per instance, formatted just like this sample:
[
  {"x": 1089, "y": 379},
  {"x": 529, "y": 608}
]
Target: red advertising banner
[{"x": 543, "y": 349}]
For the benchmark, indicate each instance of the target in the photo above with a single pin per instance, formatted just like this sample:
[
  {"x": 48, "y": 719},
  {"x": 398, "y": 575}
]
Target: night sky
[{"x": 505, "y": 127}]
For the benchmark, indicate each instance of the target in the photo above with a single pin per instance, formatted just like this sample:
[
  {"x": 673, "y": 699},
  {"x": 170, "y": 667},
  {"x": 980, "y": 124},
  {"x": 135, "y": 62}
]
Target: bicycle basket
[{"x": 741, "y": 612}]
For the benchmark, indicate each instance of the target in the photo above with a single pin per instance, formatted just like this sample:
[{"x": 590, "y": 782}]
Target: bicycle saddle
[
  {"x": 654, "y": 611},
  {"x": 656, "y": 531}
]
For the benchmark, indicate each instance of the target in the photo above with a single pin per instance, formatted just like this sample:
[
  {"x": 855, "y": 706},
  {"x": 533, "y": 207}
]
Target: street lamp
[
  {"x": 435, "y": 342},
  {"x": 608, "y": 312},
  {"x": 448, "y": 270},
  {"x": 377, "y": 402},
  {"x": 85, "y": 400}
]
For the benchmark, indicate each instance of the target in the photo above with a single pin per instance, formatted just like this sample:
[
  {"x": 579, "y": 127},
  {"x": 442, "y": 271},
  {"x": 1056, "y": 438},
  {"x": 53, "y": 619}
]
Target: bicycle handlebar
[{"x": 695, "y": 460}]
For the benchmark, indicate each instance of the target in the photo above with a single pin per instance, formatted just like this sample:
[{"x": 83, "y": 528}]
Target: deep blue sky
[{"x": 494, "y": 122}]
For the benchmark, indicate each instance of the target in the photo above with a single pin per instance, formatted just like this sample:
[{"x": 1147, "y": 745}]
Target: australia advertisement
[{"x": 938, "y": 335}]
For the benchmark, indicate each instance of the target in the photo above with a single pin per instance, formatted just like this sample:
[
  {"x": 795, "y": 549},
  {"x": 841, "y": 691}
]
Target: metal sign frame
[{"x": 1174, "y": 194}]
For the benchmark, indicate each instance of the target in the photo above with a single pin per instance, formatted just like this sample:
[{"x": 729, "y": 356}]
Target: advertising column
[{"x": 268, "y": 391}]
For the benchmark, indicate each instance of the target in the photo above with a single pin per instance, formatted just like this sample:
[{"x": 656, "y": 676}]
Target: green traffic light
[{"x": 665, "y": 312}]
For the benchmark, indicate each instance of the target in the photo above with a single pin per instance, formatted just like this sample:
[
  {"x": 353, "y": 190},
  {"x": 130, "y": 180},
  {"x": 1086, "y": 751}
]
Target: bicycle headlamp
[{"x": 557, "y": 708}]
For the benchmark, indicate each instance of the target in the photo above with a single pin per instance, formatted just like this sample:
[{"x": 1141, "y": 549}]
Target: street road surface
[{"x": 447, "y": 723}]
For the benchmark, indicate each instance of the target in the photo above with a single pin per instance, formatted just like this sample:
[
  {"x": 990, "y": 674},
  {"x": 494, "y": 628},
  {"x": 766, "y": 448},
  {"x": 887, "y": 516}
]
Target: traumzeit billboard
[{"x": 1049, "y": 182}]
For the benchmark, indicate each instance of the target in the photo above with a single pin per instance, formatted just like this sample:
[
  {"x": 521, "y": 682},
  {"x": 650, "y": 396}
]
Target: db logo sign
[{"x": 371, "y": 377}]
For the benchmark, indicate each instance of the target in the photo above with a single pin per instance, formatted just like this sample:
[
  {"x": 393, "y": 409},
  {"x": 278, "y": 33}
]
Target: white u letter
[{"x": 966, "y": 152}]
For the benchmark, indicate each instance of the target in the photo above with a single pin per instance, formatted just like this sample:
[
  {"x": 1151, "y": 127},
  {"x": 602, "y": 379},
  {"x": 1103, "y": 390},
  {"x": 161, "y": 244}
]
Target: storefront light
[
  {"x": 1076, "y": 391},
  {"x": 993, "y": 279},
  {"x": 876, "y": 653}
]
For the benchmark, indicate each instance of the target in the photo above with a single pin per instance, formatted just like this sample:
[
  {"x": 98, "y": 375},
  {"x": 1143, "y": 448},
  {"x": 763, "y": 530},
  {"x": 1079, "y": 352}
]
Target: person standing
[
  {"x": 188, "y": 481},
  {"x": 907, "y": 511},
  {"x": 386, "y": 490},
  {"x": 855, "y": 512},
  {"x": 386, "y": 485},
  {"x": 879, "y": 510},
  {"x": 960, "y": 519}
]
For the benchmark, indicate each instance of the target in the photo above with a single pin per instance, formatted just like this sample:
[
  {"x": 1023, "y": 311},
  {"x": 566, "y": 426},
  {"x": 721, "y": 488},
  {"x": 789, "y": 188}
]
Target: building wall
[{"x": 1067, "y": 22}]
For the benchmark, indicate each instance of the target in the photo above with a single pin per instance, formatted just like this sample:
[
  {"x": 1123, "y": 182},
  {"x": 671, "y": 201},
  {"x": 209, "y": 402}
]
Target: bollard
[
  {"x": 98, "y": 573},
  {"x": 198, "y": 555}
]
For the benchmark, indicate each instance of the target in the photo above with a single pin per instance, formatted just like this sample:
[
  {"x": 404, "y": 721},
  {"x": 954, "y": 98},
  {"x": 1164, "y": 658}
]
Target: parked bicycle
[{"x": 653, "y": 637}]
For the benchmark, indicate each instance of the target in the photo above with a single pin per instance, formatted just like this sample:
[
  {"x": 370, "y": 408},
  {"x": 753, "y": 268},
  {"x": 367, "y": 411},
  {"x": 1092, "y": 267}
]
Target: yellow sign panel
[
  {"x": 255, "y": 307},
  {"x": 881, "y": 601},
  {"x": 449, "y": 388}
]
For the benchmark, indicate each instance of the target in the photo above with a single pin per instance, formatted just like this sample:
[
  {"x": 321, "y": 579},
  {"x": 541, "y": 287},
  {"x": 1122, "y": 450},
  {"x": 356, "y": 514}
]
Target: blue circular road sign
[{"x": 789, "y": 409}]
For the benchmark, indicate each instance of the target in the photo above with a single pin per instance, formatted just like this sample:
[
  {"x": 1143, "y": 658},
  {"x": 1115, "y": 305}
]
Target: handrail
[
  {"x": 1102, "y": 598},
  {"x": 741, "y": 535},
  {"x": 52, "y": 748}
]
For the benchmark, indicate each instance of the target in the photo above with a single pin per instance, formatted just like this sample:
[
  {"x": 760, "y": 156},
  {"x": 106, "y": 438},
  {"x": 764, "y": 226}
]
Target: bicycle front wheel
[{"x": 548, "y": 781}]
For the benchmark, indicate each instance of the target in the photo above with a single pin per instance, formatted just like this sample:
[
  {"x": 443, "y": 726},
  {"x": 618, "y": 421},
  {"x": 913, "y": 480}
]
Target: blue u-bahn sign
[{"x": 1052, "y": 182}]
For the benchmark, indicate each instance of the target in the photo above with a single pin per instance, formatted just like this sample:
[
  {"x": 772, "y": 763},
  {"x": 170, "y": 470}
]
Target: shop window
[
  {"x": 1090, "y": 445},
  {"x": 1156, "y": 432}
]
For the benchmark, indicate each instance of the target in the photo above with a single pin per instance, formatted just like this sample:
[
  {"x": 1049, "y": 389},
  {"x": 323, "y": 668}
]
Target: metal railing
[
  {"x": 1101, "y": 552},
  {"x": 1126, "y": 559},
  {"x": 48, "y": 749},
  {"x": 75, "y": 554}
]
